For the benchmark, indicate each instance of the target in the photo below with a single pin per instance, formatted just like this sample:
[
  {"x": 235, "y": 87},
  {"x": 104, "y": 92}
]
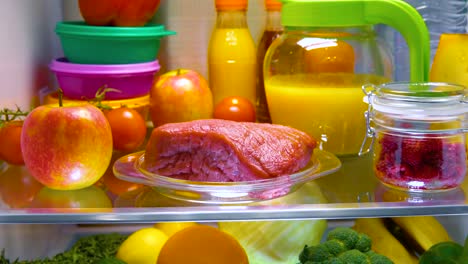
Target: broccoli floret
[
  {"x": 364, "y": 243},
  {"x": 345, "y": 234},
  {"x": 304, "y": 255},
  {"x": 335, "y": 247},
  {"x": 314, "y": 254},
  {"x": 354, "y": 256},
  {"x": 376, "y": 258},
  {"x": 343, "y": 246},
  {"x": 334, "y": 261},
  {"x": 330, "y": 261}
]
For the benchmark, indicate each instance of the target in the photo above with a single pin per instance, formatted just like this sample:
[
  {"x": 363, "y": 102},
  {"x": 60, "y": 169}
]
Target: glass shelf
[{"x": 351, "y": 192}]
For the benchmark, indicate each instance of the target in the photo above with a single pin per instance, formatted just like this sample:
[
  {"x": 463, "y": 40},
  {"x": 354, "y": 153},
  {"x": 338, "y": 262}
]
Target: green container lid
[
  {"x": 87, "y": 44},
  {"x": 80, "y": 28}
]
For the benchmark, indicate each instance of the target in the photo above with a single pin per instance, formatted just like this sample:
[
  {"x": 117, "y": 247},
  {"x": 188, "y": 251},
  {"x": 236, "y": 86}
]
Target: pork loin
[{"x": 215, "y": 150}]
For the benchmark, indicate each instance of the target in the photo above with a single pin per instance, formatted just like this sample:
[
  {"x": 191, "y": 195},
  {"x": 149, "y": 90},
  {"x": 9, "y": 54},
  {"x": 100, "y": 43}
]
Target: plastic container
[
  {"x": 82, "y": 43},
  {"x": 82, "y": 81},
  {"x": 418, "y": 131},
  {"x": 140, "y": 104}
]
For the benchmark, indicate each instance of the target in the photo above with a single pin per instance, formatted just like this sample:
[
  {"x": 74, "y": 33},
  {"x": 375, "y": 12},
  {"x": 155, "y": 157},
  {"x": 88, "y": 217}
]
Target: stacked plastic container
[
  {"x": 121, "y": 59},
  {"x": 441, "y": 16}
]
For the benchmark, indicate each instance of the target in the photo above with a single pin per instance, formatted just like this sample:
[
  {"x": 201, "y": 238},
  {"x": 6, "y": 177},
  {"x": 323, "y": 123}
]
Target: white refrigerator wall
[{"x": 28, "y": 44}]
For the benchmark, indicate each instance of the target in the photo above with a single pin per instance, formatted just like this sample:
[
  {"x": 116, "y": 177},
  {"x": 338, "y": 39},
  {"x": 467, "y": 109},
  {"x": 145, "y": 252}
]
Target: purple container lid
[{"x": 62, "y": 65}]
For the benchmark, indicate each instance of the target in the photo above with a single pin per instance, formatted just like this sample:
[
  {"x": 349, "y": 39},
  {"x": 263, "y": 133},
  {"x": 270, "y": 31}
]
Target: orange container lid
[
  {"x": 274, "y": 5},
  {"x": 231, "y": 4},
  {"x": 140, "y": 104}
]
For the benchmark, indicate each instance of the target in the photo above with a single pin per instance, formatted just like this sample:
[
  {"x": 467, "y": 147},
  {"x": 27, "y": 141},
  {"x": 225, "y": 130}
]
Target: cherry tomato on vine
[
  {"x": 235, "y": 108},
  {"x": 128, "y": 128},
  {"x": 10, "y": 142}
]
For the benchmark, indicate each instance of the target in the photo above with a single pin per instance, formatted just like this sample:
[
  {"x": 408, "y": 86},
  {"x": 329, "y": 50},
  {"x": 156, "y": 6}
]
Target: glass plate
[{"x": 129, "y": 168}]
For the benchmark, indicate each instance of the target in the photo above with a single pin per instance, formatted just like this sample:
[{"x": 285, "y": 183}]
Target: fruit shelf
[{"x": 351, "y": 192}]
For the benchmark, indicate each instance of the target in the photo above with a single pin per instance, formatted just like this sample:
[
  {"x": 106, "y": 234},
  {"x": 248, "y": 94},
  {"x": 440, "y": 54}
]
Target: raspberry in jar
[{"x": 419, "y": 135}]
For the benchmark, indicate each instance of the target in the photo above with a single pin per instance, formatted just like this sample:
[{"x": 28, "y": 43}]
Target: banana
[
  {"x": 425, "y": 230},
  {"x": 383, "y": 242}
]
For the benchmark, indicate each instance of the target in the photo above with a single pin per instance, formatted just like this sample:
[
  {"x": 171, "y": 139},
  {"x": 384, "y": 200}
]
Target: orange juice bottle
[
  {"x": 232, "y": 53},
  {"x": 273, "y": 29}
]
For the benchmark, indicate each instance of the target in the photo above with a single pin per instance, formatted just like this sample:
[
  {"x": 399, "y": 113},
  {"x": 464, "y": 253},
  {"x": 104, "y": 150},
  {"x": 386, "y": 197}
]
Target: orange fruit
[
  {"x": 170, "y": 228},
  {"x": 202, "y": 244},
  {"x": 330, "y": 56}
]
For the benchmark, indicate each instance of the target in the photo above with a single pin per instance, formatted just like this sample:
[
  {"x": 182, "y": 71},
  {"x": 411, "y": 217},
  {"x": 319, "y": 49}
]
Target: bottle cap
[
  {"x": 273, "y": 5},
  {"x": 231, "y": 4}
]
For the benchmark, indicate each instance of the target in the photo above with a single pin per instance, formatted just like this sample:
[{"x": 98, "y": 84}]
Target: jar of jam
[{"x": 418, "y": 134}]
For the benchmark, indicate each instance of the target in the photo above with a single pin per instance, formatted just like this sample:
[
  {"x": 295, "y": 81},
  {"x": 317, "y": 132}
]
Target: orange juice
[
  {"x": 329, "y": 107},
  {"x": 232, "y": 64}
]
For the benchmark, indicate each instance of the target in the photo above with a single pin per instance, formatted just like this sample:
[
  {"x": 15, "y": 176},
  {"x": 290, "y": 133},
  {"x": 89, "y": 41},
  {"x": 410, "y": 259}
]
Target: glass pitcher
[{"x": 314, "y": 72}]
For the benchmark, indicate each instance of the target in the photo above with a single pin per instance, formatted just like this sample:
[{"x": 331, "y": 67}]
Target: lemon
[
  {"x": 170, "y": 228},
  {"x": 142, "y": 246}
]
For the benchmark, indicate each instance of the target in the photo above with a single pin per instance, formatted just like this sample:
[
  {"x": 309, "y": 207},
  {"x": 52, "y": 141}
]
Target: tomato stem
[
  {"x": 60, "y": 97},
  {"x": 100, "y": 96},
  {"x": 7, "y": 115}
]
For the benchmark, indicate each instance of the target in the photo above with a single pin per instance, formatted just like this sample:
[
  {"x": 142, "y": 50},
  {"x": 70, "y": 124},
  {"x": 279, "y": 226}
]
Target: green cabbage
[{"x": 279, "y": 242}]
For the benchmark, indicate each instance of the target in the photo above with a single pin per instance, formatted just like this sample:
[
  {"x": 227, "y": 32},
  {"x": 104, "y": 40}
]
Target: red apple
[
  {"x": 121, "y": 13},
  {"x": 66, "y": 147},
  {"x": 180, "y": 95}
]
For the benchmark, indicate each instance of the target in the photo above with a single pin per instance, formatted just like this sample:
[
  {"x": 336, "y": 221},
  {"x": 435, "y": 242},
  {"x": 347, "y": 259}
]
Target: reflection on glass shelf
[
  {"x": 385, "y": 194},
  {"x": 355, "y": 182},
  {"x": 352, "y": 191}
]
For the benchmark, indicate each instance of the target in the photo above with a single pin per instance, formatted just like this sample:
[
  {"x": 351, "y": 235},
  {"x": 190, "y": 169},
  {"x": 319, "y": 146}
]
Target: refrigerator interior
[{"x": 29, "y": 43}]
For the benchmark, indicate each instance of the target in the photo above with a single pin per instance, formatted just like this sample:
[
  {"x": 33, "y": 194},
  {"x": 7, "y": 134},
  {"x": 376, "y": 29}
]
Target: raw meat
[{"x": 215, "y": 150}]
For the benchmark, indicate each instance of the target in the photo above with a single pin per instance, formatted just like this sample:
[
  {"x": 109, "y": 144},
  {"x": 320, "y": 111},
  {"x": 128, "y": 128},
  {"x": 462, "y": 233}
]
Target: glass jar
[
  {"x": 418, "y": 133},
  {"x": 313, "y": 80},
  {"x": 313, "y": 73}
]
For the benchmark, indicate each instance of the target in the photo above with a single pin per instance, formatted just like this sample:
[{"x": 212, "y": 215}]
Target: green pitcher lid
[{"x": 348, "y": 13}]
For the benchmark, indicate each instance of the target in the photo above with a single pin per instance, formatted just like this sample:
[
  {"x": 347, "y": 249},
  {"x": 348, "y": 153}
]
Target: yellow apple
[{"x": 180, "y": 95}]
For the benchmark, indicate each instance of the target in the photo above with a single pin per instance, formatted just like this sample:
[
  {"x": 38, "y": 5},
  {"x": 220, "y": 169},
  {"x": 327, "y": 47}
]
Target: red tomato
[
  {"x": 121, "y": 13},
  {"x": 235, "y": 108},
  {"x": 128, "y": 128},
  {"x": 10, "y": 143}
]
